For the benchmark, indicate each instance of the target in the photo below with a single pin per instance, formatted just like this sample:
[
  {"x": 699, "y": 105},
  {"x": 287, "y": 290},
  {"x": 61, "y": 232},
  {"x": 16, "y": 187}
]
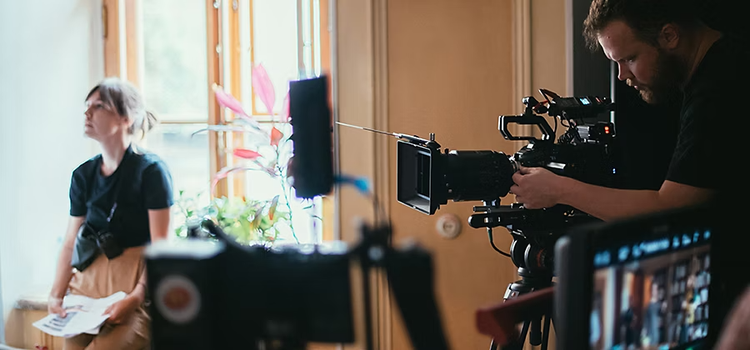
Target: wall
[
  {"x": 50, "y": 58},
  {"x": 549, "y": 49}
]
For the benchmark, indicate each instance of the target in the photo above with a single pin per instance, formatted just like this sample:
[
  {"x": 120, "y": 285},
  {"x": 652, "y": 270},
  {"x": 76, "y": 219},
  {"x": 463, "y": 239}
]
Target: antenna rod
[
  {"x": 368, "y": 129},
  {"x": 411, "y": 138}
]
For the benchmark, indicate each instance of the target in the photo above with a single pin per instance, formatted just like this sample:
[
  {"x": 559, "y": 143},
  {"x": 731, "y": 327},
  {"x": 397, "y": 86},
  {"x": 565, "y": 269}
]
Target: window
[{"x": 175, "y": 51}]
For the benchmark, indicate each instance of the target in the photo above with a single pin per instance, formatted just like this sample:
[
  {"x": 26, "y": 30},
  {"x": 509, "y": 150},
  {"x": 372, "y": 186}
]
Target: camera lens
[{"x": 477, "y": 175}]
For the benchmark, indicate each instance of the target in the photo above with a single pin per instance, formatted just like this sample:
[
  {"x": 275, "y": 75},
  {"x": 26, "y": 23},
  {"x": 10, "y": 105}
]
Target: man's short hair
[{"x": 645, "y": 17}]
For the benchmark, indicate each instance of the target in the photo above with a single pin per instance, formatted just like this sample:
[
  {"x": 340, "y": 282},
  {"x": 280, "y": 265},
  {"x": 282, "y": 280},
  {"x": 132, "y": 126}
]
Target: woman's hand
[
  {"x": 54, "y": 306},
  {"x": 121, "y": 310}
]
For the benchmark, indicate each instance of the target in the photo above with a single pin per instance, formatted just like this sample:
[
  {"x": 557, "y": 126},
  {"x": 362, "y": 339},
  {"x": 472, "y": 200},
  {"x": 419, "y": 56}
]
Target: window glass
[
  {"x": 274, "y": 45},
  {"x": 186, "y": 155},
  {"x": 174, "y": 62}
]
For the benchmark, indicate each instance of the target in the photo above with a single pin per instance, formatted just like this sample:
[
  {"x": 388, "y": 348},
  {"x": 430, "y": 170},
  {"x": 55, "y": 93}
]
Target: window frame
[{"x": 122, "y": 37}]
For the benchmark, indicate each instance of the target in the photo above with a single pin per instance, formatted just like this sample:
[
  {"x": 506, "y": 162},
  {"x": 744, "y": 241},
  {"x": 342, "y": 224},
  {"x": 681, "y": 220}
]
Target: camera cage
[{"x": 425, "y": 181}]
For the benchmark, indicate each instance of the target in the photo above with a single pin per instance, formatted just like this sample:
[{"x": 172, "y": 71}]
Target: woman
[{"x": 122, "y": 191}]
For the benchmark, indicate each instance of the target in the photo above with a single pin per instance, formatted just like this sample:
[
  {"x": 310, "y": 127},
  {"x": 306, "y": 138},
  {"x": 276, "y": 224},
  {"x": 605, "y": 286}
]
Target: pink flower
[
  {"x": 276, "y": 136},
  {"x": 263, "y": 88},
  {"x": 228, "y": 101},
  {"x": 245, "y": 153}
]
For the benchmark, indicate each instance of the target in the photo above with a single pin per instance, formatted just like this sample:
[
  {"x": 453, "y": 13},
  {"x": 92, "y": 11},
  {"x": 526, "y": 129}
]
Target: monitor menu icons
[
  {"x": 646, "y": 248},
  {"x": 602, "y": 259},
  {"x": 686, "y": 240},
  {"x": 624, "y": 253},
  {"x": 637, "y": 250}
]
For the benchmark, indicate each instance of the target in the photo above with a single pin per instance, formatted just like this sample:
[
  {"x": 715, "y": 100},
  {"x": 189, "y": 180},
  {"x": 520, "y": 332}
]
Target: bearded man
[{"x": 662, "y": 49}]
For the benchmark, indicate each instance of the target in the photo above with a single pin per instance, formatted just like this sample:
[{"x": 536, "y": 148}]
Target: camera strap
[{"x": 125, "y": 169}]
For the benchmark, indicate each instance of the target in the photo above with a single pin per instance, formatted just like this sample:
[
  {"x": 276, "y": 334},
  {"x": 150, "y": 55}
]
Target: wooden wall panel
[{"x": 450, "y": 73}]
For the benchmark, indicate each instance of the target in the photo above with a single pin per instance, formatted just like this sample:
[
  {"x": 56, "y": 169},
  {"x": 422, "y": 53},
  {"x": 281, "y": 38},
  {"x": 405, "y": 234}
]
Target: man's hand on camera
[{"x": 537, "y": 188}]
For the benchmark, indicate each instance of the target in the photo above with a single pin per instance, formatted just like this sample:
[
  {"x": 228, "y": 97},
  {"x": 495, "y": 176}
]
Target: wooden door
[
  {"x": 447, "y": 67},
  {"x": 450, "y": 73}
]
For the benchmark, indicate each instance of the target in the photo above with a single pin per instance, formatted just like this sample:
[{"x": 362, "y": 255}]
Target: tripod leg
[
  {"x": 517, "y": 344},
  {"x": 545, "y": 334},
  {"x": 535, "y": 332}
]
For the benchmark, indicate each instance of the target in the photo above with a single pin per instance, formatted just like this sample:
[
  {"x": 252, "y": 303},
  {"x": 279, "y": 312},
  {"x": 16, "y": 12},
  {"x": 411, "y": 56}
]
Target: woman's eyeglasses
[{"x": 95, "y": 106}]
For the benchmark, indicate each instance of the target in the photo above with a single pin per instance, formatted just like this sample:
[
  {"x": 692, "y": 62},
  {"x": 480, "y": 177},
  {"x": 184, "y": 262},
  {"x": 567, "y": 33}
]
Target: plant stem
[{"x": 286, "y": 196}]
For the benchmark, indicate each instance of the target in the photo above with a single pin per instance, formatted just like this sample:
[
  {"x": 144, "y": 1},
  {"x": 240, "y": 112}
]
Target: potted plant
[{"x": 249, "y": 220}]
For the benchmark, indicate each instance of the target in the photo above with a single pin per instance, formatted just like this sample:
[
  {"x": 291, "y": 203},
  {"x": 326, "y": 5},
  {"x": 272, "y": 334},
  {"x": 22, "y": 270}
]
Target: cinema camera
[{"x": 428, "y": 178}]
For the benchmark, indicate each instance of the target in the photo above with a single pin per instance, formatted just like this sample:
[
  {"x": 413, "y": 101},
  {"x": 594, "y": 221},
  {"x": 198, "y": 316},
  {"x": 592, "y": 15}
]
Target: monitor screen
[{"x": 651, "y": 292}]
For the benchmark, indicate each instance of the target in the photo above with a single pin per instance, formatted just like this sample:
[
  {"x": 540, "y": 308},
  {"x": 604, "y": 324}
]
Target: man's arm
[{"x": 539, "y": 188}]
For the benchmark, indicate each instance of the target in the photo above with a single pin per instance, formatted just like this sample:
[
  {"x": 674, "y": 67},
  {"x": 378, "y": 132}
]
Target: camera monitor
[
  {"x": 311, "y": 167},
  {"x": 641, "y": 283}
]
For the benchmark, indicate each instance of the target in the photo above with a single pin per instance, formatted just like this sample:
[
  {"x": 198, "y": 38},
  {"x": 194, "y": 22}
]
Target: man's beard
[{"x": 665, "y": 87}]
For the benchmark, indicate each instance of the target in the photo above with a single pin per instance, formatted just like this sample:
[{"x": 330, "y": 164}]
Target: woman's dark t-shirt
[{"x": 141, "y": 182}]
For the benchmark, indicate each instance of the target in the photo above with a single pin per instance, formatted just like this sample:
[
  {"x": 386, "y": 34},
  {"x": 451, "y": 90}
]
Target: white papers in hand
[{"x": 83, "y": 315}]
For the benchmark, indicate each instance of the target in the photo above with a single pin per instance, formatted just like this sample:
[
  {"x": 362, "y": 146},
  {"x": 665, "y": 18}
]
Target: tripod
[
  {"x": 527, "y": 301},
  {"x": 529, "y": 284}
]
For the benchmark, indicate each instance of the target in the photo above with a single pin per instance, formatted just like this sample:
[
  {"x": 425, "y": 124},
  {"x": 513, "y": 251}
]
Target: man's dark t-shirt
[
  {"x": 710, "y": 153},
  {"x": 711, "y": 142},
  {"x": 141, "y": 182}
]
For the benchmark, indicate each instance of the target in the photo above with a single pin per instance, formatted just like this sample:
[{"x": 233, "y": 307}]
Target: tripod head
[
  {"x": 529, "y": 299},
  {"x": 534, "y": 231}
]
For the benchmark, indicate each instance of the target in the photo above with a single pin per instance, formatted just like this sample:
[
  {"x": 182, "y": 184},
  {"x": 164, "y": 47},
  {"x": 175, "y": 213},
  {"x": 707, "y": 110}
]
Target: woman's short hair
[{"x": 125, "y": 99}]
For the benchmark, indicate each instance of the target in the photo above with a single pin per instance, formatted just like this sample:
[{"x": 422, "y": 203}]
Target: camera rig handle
[
  {"x": 503, "y": 215},
  {"x": 527, "y": 118}
]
